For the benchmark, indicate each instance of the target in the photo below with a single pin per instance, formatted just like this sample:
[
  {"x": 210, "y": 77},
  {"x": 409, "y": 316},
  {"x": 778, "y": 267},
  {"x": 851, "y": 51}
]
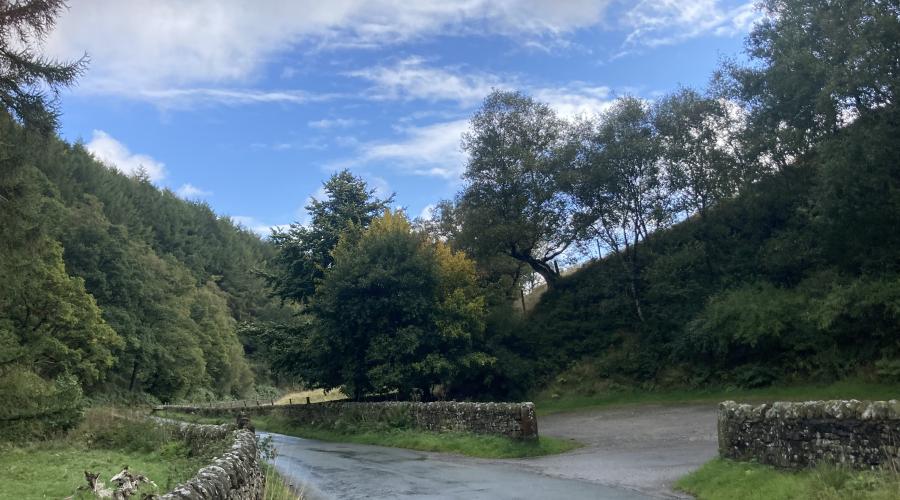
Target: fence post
[{"x": 307, "y": 399}]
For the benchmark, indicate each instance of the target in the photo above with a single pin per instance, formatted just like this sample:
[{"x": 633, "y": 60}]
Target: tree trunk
[
  {"x": 134, "y": 371},
  {"x": 545, "y": 270}
]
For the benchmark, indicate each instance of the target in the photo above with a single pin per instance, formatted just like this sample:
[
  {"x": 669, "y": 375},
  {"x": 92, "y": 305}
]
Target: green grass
[
  {"x": 546, "y": 403},
  {"x": 473, "y": 445},
  {"x": 277, "y": 487},
  {"x": 56, "y": 470},
  {"x": 727, "y": 480},
  {"x": 104, "y": 443}
]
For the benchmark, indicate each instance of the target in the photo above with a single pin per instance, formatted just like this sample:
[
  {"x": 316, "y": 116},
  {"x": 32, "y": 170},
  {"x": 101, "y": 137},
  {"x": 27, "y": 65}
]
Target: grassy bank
[
  {"x": 562, "y": 398},
  {"x": 103, "y": 444},
  {"x": 278, "y": 487},
  {"x": 727, "y": 480},
  {"x": 473, "y": 445}
]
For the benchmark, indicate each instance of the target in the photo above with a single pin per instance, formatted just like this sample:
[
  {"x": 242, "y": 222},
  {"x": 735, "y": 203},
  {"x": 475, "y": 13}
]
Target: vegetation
[
  {"x": 726, "y": 480},
  {"x": 748, "y": 232},
  {"x": 104, "y": 442},
  {"x": 399, "y": 436},
  {"x": 112, "y": 288},
  {"x": 578, "y": 388},
  {"x": 277, "y": 487},
  {"x": 746, "y": 237}
]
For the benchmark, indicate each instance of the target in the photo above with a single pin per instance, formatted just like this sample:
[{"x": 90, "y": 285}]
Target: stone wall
[
  {"x": 236, "y": 475},
  {"x": 795, "y": 435},
  {"x": 515, "y": 420}
]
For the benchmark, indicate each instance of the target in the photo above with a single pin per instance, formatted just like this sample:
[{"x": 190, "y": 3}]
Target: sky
[{"x": 251, "y": 105}]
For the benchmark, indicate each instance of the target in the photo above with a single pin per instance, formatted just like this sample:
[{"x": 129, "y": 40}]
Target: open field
[
  {"x": 104, "y": 443},
  {"x": 728, "y": 480},
  {"x": 56, "y": 470},
  {"x": 546, "y": 403},
  {"x": 314, "y": 395}
]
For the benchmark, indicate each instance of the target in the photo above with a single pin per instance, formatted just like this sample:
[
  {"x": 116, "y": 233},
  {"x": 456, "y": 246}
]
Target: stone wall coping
[{"x": 840, "y": 409}]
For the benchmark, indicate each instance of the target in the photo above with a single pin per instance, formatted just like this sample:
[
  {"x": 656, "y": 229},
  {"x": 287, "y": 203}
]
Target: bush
[{"x": 35, "y": 408}]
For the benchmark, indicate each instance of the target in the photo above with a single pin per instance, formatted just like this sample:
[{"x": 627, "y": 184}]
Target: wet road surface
[
  {"x": 342, "y": 470},
  {"x": 645, "y": 448},
  {"x": 630, "y": 453}
]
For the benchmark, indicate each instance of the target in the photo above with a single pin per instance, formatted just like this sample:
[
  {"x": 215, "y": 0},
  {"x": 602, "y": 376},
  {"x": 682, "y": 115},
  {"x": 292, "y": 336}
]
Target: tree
[
  {"x": 512, "y": 203},
  {"x": 304, "y": 251},
  {"x": 618, "y": 182},
  {"x": 701, "y": 150},
  {"x": 23, "y": 74},
  {"x": 396, "y": 311},
  {"x": 818, "y": 65}
]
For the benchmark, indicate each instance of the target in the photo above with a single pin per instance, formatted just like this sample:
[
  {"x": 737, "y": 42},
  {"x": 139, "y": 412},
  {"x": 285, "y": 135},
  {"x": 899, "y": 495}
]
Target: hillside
[
  {"x": 797, "y": 279},
  {"x": 113, "y": 286}
]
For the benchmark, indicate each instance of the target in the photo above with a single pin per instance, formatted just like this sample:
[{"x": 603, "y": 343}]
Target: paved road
[
  {"x": 630, "y": 454},
  {"x": 644, "y": 448}
]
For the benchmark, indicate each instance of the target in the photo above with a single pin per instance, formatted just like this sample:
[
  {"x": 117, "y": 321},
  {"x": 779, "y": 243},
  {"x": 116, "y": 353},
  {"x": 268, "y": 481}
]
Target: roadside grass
[
  {"x": 314, "y": 395},
  {"x": 277, "y": 487},
  {"x": 102, "y": 444},
  {"x": 559, "y": 400},
  {"x": 722, "y": 479},
  {"x": 473, "y": 445}
]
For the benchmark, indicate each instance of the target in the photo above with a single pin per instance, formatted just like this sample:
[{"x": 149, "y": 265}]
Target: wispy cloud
[
  {"x": 653, "y": 23},
  {"x": 175, "y": 44},
  {"x": 432, "y": 150},
  {"x": 336, "y": 123},
  {"x": 116, "y": 155},
  {"x": 411, "y": 78},
  {"x": 190, "y": 191}
]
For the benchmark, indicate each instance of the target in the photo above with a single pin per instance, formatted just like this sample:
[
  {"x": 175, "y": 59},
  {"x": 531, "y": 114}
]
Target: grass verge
[
  {"x": 473, "y": 445},
  {"x": 722, "y": 479},
  {"x": 277, "y": 487},
  {"x": 548, "y": 401},
  {"x": 103, "y": 444}
]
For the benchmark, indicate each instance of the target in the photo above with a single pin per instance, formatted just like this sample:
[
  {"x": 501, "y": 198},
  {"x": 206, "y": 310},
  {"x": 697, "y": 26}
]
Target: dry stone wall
[
  {"x": 236, "y": 475},
  {"x": 515, "y": 420},
  {"x": 796, "y": 435}
]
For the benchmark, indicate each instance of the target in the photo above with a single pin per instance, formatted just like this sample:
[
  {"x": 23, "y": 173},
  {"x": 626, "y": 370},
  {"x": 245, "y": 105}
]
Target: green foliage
[
  {"x": 104, "y": 442},
  {"x": 395, "y": 312},
  {"x": 127, "y": 288},
  {"x": 474, "y": 445},
  {"x": 36, "y": 408},
  {"x": 512, "y": 204},
  {"x": 25, "y": 76},
  {"x": 821, "y": 63},
  {"x": 305, "y": 251},
  {"x": 724, "y": 479}
]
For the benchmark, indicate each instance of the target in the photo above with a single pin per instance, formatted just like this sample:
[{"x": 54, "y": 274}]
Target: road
[{"x": 629, "y": 454}]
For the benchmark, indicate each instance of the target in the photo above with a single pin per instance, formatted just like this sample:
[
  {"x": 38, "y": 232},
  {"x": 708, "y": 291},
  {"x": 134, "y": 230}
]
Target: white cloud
[
  {"x": 664, "y": 22},
  {"x": 160, "y": 44},
  {"x": 576, "y": 99},
  {"x": 411, "y": 79},
  {"x": 115, "y": 154},
  {"x": 186, "y": 97},
  {"x": 257, "y": 226},
  {"x": 336, "y": 123},
  {"x": 428, "y": 150},
  {"x": 427, "y": 212},
  {"x": 190, "y": 191}
]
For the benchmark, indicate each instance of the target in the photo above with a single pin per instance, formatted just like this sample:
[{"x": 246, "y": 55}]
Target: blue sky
[{"x": 251, "y": 105}]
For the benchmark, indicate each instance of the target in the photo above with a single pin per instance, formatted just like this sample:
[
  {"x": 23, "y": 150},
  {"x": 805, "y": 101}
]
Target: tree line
[{"x": 741, "y": 228}]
